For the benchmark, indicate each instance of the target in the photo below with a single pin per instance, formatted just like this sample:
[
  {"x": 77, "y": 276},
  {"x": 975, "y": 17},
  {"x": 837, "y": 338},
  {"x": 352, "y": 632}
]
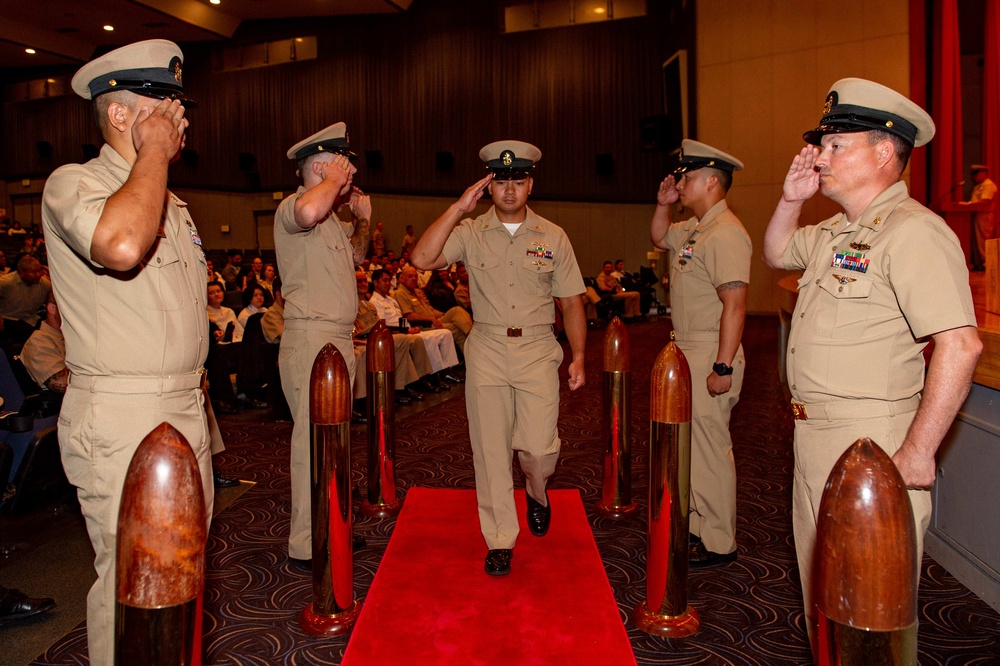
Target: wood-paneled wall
[{"x": 439, "y": 77}]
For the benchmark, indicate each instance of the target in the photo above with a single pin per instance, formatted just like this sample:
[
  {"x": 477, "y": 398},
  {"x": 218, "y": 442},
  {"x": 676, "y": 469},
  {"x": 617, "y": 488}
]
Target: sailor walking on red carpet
[{"x": 518, "y": 263}]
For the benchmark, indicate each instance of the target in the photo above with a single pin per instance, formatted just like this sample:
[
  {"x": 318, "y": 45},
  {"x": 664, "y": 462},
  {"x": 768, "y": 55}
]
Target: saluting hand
[
  {"x": 802, "y": 180},
  {"x": 360, "y": 204},
  {"x": 160, "y": 129},
  {"x": 467, "y": 202},
  {"x": 668, "y": 193},
  {"x": 340, "y": 170}
]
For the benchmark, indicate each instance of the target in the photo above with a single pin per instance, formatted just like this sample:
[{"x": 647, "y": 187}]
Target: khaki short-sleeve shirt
[
  {"x": 707, "y": 253},
  {"x": 870, "y": 295},
  {"x": 513, "y": 278},
  {"x": 148, "y": 321},
  {"x": 316, "y": 267}
]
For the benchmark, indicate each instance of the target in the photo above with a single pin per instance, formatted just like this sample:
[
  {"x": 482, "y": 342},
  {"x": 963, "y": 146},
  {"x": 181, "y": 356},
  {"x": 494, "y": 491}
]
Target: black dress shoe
[
  {"x": 224, "y": 408},
  {"x": 452, "y": 379},
  {"x": 358, "y": 417},
  {"x": 414, "y": 395},
  {"x": 16, "y": 605},
  {"x": 402, "y": 398},
  {"x": 693, "y": 539},
  {"x": 498, "y": 561},
  {"x": 358, "y": 543},
  {"x": 223, "y": 481},
  {"x": 301, "y": 565},
  {"x": 539, "y": 516},
  {"x": 701, "y": 558},
  {"x": 430, "y": 384}
]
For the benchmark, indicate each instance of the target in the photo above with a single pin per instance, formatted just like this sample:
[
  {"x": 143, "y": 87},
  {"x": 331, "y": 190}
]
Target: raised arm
[
  {"x": 949, "y": 378},
  {"x": 801, "y": 183},
  {"x": 665, "y": 197},
  {"x": 361, "y": 206},
  {"x": 427, "y": 253},
  {"x": 131, "y": 217},
  {"x": 314, "y": 205}
]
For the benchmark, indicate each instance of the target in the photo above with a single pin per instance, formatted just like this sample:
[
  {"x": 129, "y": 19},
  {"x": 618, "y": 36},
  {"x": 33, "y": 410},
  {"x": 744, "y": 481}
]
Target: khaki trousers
[
  {"x": 512, "y": 397},
  {"x": 300, "y": 343},
  {"x": 713, "y": 469},
  {"x": 99, "y": 432},
  {"x": 818, "y": 446}
]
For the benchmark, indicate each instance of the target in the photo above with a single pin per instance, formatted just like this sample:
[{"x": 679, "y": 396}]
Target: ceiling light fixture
[
  {"x": 109, "y": 28},
  {"x": 216, "y": 2},
  {"x": 30, "y": 51}
]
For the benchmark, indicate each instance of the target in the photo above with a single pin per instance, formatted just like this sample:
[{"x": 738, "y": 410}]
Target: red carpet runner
[{"x": 432, "y": 603}]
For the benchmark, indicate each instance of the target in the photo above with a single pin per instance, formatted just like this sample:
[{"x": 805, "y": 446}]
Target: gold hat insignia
[
  {"x": 507, "y": 157},
  {"x": 831, "y": 99}
]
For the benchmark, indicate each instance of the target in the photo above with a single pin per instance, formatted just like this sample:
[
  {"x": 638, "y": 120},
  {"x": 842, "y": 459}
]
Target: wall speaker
[
  {"x": 248, "y": 162},
  {"x": 44, "y": 149},
  {"x": 444, "y": 160},
  {"x": 605, "y": 163},
  {"x": 373, "y": 159},
  {"x": 660, "y": 133}
]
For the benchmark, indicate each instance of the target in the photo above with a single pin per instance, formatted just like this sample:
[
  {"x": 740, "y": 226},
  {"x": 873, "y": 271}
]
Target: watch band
[{"x": 722, "y": 369}]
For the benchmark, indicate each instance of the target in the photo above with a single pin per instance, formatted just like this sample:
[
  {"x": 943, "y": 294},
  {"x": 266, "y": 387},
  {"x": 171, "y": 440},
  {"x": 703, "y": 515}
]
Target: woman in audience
[{"x": 253, "y": 299}]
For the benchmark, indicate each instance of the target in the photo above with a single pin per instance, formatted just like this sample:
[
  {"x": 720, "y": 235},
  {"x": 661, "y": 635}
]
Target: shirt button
[
  {"x": 511, "y": 284},
  {"x": 840, "y": 289},
  {"x": 158, "y": 260},
  {"x": 510, "y": 263},
  {"x": 792, "y": 350},
  {"x": 801, "y": 315},
  {"x": 817, "y": 280},
  {"x": 794, "y": 387}
]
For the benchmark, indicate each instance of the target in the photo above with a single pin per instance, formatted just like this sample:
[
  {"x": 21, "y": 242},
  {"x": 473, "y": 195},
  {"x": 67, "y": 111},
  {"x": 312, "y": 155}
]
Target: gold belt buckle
[
  {"x": 799, "y": 411},
  {"x": 514, "y": 332}
]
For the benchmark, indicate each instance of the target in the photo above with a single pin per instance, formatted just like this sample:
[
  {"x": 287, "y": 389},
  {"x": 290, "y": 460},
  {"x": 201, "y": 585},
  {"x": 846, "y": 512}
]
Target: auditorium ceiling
[{"x": 66, "y": 32}]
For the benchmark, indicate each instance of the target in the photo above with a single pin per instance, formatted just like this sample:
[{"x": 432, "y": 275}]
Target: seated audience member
[
  {"x": 419, "y": 312},
  {"x": 266, "y": 278},
  {"x": 439, "y": 343},
  {"x": 225, "y": 334},
  {"x": 212, "y": 275},
  {"x": 16, "y": 229},
  {"x": 607, "y": 285},
  {"x": 4, "y": 268},
  {"x": 232, "y": 269},
  {"x": 44, "y": 354},
  {"x": 440, "y": 291},
  {"x": 253, "y": 300},
  {"x": 462, "y": 296},
  {"x": 22, "y": 296},
  {"x": 411, "y": 361},
  {"x": 619, "y": 272}
]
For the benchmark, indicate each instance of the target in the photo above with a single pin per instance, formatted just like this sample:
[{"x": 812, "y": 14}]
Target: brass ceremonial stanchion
[
  {"x": 333, "y": 609},
  {"x": 616, "y": 493},
  {"x": 160, "y": 565},
  {"x": 665, "y": 611},
  {"x": 865, "y": 567},
  {"x": 381, "y": 359}
]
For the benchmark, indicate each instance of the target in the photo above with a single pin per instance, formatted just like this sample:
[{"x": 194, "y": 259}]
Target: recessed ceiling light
[
  {"x": 216, "y": 2},
  {"x": 598, "y": 10},
  {"x": 109, "y": 28},
  {"x": 30, "y": 51}
]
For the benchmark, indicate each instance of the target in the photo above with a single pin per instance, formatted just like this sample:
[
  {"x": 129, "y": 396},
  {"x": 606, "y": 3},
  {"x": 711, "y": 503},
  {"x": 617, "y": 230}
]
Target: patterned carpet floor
[{"x": 750, "y": 610}]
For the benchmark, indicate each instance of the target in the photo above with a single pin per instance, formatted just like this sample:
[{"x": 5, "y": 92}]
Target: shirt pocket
[
  {"x": 540, "y": 273},
  {"x": 163, "y": 277},
  {"x": 846, "y": 305}
]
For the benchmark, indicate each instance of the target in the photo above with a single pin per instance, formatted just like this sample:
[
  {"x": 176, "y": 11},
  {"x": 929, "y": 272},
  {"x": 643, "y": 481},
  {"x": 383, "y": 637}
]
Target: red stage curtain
[
  {"x": 918, "y": 93},
  {"x": 991, "y": 90},
  {"x": 947, "y": 168}
]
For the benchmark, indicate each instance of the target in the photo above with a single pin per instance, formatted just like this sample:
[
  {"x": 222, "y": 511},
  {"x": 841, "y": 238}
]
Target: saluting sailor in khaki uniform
[
  {"x": 709, "y": 276},
  {"x": 129, "y": 274},
  {"x": 316, "y": 260},
  {"x": 517, "y": 262},
  {"x": 879, "y": 281}
]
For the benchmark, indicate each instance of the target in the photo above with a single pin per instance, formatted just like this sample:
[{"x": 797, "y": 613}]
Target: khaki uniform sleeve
[
  {"x": 272, "y": 323},
  {"x": 928, "y": 274},
  {"x": 800, "y": 248},
  {"x": 728, "y": 256},
  {"x": 72, "y": 203},
  {"x": 567, "y": 280},
  {"x": 454, "y": 247}
]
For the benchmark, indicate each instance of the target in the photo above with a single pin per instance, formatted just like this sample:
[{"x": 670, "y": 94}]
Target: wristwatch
[{"x": 722, "y": 369}]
